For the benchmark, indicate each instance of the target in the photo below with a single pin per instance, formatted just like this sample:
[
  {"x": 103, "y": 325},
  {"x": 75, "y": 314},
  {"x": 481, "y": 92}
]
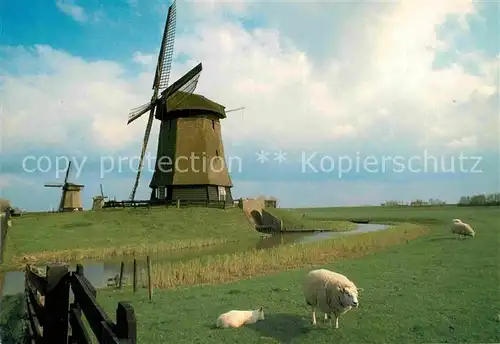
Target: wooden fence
[
  {"x": 167, "y": 203},
  {"x": 50, "y": 321}
]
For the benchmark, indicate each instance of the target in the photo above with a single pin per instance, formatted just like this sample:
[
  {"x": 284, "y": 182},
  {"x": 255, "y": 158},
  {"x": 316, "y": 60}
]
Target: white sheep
[
  {"x": 237, "y": 318},
  {"x": 462, "y": 228},
  {"x": 330, "y": 292}
]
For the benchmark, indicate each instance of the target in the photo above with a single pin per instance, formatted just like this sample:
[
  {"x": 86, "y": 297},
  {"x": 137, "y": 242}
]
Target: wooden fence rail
[
  {"x": 167, "y": 203},
  {"x": 50, "y": 321}
]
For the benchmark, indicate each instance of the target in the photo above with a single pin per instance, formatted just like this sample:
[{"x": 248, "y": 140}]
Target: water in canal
[{"x": 98, "y": 272}]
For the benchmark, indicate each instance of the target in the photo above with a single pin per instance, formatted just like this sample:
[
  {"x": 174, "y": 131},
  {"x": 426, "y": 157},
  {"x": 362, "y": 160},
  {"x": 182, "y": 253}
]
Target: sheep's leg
[
  {"x": 313, "y": 315},
  {"x": 336, "y": 322}
]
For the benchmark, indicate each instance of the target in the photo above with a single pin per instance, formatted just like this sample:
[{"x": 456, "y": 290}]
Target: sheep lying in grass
[
  {"x": 236, "y": 318},
  {"x": 332, "y": 293},
  {"x": 462, "y": 228}
]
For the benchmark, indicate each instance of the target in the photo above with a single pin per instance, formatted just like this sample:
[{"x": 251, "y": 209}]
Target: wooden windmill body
[
  {"x": 190, "y": 162},
  {"x": 98, "y": 201},
  {"x": 71, "y": 199}
]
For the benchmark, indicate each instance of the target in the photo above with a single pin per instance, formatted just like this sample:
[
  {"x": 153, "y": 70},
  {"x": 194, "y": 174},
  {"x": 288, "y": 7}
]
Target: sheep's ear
[
  {"x": 261, "y": 309},
  {"x": 360, "y": 290}
]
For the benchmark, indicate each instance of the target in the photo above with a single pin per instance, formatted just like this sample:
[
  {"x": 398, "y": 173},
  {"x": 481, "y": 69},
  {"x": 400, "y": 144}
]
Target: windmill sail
[
  {"x": 161, "y": 78},
  {"x": 67, "y": 173},
  {"x": 164, "y": 65},
  {"x": 178, "y": 97},
  {"x": 143, "y": 152},
  {"x": 137, "y": 112},
  {"x": 185, "y": 85}
]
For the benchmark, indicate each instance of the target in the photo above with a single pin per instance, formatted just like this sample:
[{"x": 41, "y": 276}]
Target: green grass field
[
  {"x": 294, "y": 220},
  {"x": 95, "y": 235},
  {"x": 433, "y": 289}
]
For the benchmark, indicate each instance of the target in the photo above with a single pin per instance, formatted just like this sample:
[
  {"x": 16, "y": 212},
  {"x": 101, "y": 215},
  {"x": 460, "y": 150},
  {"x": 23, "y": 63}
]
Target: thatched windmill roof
[{"x": 194, "y": 101}]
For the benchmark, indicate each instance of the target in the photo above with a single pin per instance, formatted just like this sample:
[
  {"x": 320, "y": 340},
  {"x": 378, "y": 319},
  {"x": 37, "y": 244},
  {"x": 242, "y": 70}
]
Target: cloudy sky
[{"x": 367, "y": 101}]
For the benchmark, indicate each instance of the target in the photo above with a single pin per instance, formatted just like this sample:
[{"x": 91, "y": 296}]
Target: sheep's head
[
  {"x": 349, "y": 296},
  {"x": 457, "y": 221},
  {"x": 260, "y": 313}
]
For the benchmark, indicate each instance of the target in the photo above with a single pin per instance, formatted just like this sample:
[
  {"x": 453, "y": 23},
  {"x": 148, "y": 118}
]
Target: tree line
[
  {"x": 492, "y": 199},
  {"x": 480, "y": 200}
]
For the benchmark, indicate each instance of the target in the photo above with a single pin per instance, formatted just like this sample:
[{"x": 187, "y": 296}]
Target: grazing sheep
[
  {"x": 332, "y": 293},
  {"x": 462, "y": 228},
  {"x": 237, "y": 318}
]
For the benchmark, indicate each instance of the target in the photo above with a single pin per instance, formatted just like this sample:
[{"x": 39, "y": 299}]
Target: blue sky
[{"x": 357, "y": 80}]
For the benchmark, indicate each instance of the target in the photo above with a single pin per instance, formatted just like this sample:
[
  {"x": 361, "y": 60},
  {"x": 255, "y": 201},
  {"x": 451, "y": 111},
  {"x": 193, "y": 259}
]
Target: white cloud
[
  {"x": 143, "y": 59},
  {"x": 74, "y": 105},
  {"x": 73, "y": 10},
  {"x": 8, "y": 180},
  {"x": 379, "y": 87}
]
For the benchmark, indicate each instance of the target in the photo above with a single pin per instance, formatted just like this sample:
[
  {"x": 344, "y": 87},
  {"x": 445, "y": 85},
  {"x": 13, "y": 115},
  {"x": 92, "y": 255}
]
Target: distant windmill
[
  {"x": 70, "y": 198},
  {"x": 174, "y": 94},
  {"x": 98, "y": 201}
]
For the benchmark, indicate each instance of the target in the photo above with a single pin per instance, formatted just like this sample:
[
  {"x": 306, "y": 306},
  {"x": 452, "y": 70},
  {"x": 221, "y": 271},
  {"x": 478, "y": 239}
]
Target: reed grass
[
  {"x": 111, "y": 252},
  {"x": 102, "y": 234},
  {"x": 236, "y": 266}
]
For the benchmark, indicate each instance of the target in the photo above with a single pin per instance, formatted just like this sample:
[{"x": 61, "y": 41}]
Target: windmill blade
[
  {"x": 164, "y": 64},
  {"x": 180, "y": 96},
  {"x": 188, "y": 78},
  {"x": 53, "y": 185},
  {"x": 67, "y": 173},
  {"x": 137, "y": 112},
  {"x": 102, "y": 192},
  {"x": 143, "y": 152}
]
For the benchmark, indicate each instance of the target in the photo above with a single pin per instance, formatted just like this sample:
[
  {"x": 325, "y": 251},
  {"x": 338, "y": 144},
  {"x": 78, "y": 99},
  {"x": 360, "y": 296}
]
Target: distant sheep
[
  {"x": 236, "y": 318},
  {"x": 330, "y": 292},
  {"x": 462, "y": 229}
]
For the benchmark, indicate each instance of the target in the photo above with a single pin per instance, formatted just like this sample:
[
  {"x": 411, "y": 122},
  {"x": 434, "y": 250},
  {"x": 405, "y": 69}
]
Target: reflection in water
[{"x": 98, "y": 273}]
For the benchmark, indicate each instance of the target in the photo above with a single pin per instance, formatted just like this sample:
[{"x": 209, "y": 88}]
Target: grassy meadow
[
  {"x": 296, "y": 220},
  {"x": 421, "y": 284},
  {"x": 242, "y": 265},
  {"x": 97, "y": 235}
]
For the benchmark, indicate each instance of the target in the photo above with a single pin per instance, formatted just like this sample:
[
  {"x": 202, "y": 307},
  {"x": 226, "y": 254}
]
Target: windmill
[
  {"x": 70, "y": 199},
  {"x": 175, "y": 94},
  {"x": 189, "y": 126},
  {"x": 98, "y": 201}
]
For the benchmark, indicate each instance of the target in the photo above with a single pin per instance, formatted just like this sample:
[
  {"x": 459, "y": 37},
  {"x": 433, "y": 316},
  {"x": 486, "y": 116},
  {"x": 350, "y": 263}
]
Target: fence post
[
  {"x": 150, "y": 286},
  {"x": 122, "y": 267},
  {"x": 134, "y": 277},
  {"x": 126, "y": 323},
  {"x": 55, "y": 327}
]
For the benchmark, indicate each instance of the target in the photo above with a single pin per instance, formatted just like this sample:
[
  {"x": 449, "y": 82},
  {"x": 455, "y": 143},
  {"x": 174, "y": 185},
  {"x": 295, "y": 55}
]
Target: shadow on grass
[
  {"x": 12, "y": 321},
  {"x": 281, "y": 327},
  {"x": 441, "y": 238}
]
